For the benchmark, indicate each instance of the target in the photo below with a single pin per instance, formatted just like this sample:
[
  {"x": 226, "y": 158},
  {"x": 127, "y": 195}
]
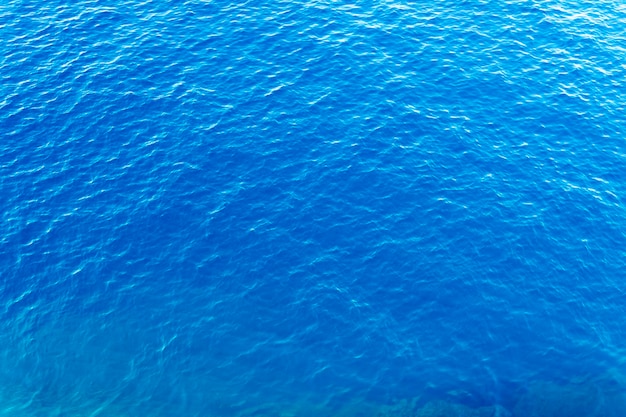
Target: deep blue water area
[{"x": 313, "y": 208}]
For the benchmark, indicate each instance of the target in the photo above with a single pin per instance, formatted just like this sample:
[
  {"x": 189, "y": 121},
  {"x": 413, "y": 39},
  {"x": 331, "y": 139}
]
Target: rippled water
[{"x": 287, "y": 208}]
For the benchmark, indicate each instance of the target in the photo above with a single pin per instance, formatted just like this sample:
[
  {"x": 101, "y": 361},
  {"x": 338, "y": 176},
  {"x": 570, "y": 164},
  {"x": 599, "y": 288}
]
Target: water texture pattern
[{"x": 313, "y": 208}]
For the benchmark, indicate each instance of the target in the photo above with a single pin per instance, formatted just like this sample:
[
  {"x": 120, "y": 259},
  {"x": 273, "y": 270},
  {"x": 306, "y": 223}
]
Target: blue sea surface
[{"x": 385, "y": 208}]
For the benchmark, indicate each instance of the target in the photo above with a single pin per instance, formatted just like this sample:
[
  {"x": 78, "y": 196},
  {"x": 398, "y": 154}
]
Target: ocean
[{"x": 383, "y": 208}]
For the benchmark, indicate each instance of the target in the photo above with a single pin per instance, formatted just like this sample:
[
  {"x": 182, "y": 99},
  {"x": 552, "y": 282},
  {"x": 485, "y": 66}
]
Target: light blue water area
[{"x": 288, "y": 208}]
